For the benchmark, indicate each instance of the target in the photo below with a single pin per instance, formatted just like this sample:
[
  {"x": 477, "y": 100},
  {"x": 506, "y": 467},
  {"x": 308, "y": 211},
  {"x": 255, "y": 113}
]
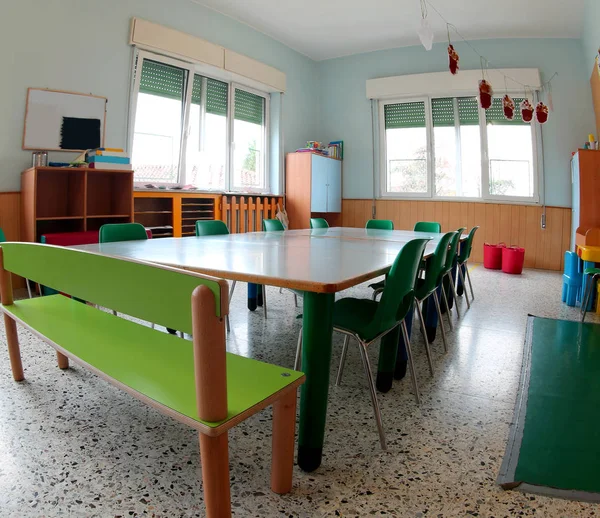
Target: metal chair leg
[
  {"x": 462, "y": 279},
  {"x": 377, "y": 292},
  {"x": 470, "y": 283},
  {"x": 448, "y": 310},
  {"x": 227, "y": 324},
  {"x": 264, "y": 291},
  {"x": 410, "y": 362},
  {"x": 153, "y": 326},
  {"x": 375, "y": 403},
  {"x": 298, "y": 362},
  {"x": 439, "y": 312},
  {"x": 453, "y": 287},
  {"x": 28, "y": 288},
  {"x": 295, "y": 300},
  {"x": 588, "y": 294},
  {"x": 114, "y": 312},
  {"x": 424, "y": 331},
  {"x": 338, "y": 379}
]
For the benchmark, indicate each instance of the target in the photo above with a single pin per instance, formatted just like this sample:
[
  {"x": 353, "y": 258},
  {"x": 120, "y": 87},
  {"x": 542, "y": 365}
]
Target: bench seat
[{"x": 157, "y": 368}]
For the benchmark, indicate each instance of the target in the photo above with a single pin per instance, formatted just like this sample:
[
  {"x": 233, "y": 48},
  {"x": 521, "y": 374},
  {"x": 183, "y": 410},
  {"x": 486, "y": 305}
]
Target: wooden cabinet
[
  {"x": 313, "y": 189},
  {"x": 585, "y": 178},
  {"x": 174, "y": 213},
  {"x": 60, "y": 199}
]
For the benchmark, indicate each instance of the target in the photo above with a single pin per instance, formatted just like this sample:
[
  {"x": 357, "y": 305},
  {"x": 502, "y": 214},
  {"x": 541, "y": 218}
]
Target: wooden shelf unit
[
  {"x": 61, "y": 199},
  {"x": 174, "y": 213}
]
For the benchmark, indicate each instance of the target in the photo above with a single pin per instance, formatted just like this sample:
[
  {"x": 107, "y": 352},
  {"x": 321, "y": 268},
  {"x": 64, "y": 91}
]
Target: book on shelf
[
  {"x": 109, "y": 166},
  {"x": 108, "y": 159},
  {"x": 102, "y": 152}
]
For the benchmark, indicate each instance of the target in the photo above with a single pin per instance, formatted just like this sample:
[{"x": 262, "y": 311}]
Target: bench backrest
[{"x": 157, "y": 294}]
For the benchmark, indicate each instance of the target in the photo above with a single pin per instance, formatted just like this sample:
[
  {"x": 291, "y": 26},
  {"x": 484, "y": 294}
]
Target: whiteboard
[{"x": 45, "y": 115}]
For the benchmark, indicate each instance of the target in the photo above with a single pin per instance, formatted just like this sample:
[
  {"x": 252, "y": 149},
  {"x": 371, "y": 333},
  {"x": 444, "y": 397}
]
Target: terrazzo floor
[{"x": 71, "y": 445}]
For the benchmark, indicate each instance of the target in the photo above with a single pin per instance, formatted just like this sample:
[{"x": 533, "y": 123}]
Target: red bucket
[
  {"x": 492, "y": 256},
  {"x": 513, "y": 258}
]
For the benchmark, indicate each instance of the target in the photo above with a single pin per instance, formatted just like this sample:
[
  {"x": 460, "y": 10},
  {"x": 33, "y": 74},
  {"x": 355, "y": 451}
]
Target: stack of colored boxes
[{"x": 108, "y": 158}]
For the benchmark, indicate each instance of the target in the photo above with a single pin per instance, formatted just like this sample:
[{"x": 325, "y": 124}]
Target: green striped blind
[
  {"x": 197, "y": 89},
  {"x": 405, "y": 115},
  {"x": 216, "y": 97},
  {"x": 442, "y": 111},
  {"x": 162, "y": 80},
  {"x": 495, "y": 115},
  {"x": 468, "y": 111},
  {"x": 249, "y": 107}
]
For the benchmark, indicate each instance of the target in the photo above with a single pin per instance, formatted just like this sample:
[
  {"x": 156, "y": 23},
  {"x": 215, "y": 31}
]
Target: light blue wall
[
  {"x": 591, "y": 31},
  {"x": 345, "y": 110},
  {"x": 82, "y": 46}
]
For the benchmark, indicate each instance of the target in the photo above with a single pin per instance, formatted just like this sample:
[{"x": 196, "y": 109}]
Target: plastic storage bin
[
  {"x": 492, "y": 256},
  {"x": 513, "y": 258}
]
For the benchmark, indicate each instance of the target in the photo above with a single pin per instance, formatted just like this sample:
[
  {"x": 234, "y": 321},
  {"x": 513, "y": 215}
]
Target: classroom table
[{"x": 319, "y": 262}]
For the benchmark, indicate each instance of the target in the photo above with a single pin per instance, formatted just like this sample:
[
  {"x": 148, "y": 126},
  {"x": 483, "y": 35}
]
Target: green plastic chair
[
  {"x": 463, "y": 257},
  {"x": 114, "y": 232},
  {"x": 367, "y": 321},
  {"x": 451, "y": 258},
  {"x": 215, "y": 227},
  {"x": 380, "y": 224},
  {"x": 272, "y": 225},
  {"x": 595, "y": 273},
  {"x": 428, "y": 226},
  {"x": 2, "y": 236},
  {"x": 318, "y": 223},
  {"x": 426, "y": 287}
]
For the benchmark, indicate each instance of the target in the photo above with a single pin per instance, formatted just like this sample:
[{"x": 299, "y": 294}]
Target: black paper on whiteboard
[{"x": 79, "y": 133}]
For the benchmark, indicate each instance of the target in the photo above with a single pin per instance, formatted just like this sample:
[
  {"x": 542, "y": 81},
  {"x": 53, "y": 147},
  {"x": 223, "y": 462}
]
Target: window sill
[{"x": 502, "y": 201}]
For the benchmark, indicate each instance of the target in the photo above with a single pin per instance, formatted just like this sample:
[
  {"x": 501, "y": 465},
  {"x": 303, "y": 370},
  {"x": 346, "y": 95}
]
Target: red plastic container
[
  {"x": 513, "y": 258},
  {"x": 492, "y": 256}
]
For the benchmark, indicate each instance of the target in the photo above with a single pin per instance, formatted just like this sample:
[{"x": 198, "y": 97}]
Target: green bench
[{"x": 195, "y": 382}]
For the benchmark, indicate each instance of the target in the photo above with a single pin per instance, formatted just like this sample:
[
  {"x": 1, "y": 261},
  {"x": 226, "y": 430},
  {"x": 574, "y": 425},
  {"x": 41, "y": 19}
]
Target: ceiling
[{"x": 334, "y": 28}]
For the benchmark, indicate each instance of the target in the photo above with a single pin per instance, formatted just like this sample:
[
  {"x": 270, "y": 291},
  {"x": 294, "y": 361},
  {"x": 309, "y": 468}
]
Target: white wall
[
  {"x": 591, "y": 32},
  {"x": 346, "y": 115},
  {"x": 82, "y": 46}
]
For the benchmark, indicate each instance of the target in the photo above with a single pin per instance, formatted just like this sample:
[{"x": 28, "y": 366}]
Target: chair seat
[
  {"x": 592, "y": 271},
  {"x": 355, "y": 315},
  {"x": 153, "y": 365}
]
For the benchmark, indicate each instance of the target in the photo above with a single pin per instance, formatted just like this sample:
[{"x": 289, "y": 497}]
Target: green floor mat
[{"x": 554, "y": 443}]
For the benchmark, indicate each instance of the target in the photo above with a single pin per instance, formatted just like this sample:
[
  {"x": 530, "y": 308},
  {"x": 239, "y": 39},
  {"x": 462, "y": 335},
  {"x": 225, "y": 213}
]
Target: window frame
[
  {"x": 486, "y": 197},
  {"x": 192, "y": 69}
]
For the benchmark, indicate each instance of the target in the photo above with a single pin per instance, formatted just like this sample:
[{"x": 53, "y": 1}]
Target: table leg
[
  {"x": 259, "y": 294},
  {"x": 252, "y": 296},
  {"x": 388, "y": 350},
  {"x": 317, "y": 330}
]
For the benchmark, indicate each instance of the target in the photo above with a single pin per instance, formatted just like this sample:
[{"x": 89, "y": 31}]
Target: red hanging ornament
[
  {"x": 541, "y": 112},
  {"x": 508, "y": 106},
  {"x": 526, "y": 110},
  {"x": 485, "y": 94},
  {"x": 453, "y": 59}
]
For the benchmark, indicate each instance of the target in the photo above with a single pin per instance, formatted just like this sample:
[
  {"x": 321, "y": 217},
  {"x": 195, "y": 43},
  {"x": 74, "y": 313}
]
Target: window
[
  {"x": 450, "y": 148},
  {"x": 193, "y": 129}
]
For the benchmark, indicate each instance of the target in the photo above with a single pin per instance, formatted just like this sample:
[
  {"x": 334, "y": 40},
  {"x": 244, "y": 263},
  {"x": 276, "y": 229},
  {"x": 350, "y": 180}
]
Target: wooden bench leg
[
  {"x": 284, "y": 432},
  {"x": 63, "y": 361},
  {"x": 214, "y": 456},
  {"x": 14, "y": 352}
]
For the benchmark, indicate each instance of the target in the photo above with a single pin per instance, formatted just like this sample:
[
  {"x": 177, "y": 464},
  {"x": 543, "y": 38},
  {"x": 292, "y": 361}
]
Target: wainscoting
[{"x": 511, "y": 224}]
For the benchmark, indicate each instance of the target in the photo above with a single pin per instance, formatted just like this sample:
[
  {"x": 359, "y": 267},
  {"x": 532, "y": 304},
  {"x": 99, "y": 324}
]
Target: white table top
[{"x": 320, "y": 260}]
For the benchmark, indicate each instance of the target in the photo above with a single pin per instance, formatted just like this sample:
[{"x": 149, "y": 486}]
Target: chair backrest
[
  {"x": 434, "y": 268},
  {"x": 452, "y": 253},
  {"x": 428, "y": 226},
  {"x": 272, "y": 225},
  {"x": 2, "y": 236},
  {"x": 147, "y": 291},
  {"x": 380, "y": 224},
  {"x": 398, "y": 293},
  {"x": 318, "y": 223},
  {"x": 122, "y": 232},
  {"x": 213, "y": 227},
  {"x": 467, "y": 246}
]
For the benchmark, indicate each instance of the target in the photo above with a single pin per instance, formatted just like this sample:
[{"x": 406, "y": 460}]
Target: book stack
[
  {"x": 108, "y": 158},
  {"x": 336, "y": 149}
]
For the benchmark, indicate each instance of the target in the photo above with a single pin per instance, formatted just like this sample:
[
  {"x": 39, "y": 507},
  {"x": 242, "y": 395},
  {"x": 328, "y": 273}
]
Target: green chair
[
  {"x": 591, "y": 283},
  {"x": 113, "y": 232},
  {"x": 426, "y": 287},
  {"x": 215, "y": 227},
  {"x": 367, "y": 321},
  {"x": 318, "y": 223},
  {"x": 428, "y": 226},
  {"x": 463, "y": 257},
  {"x": 380, "y": 224},
  {"x": 451, "y": 258},
  {"x": 272, "y": 225}
]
